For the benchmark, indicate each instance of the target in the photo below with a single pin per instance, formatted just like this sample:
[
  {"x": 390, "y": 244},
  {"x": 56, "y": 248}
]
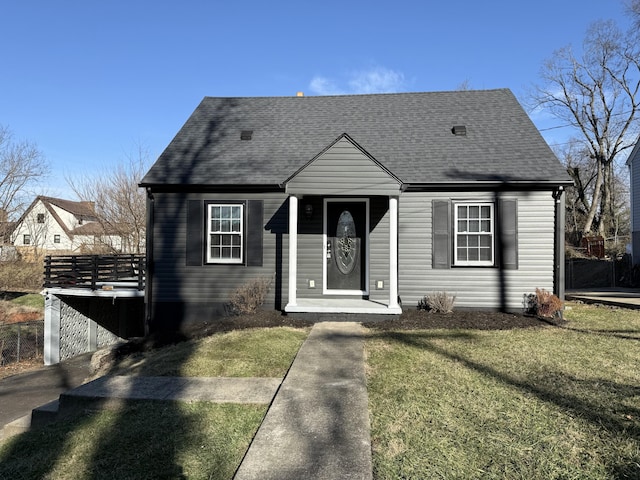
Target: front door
[{"x": 346, "y": 246}]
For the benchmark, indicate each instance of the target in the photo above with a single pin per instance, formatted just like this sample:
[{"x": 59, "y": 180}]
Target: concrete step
[
  {"x": 39, "y": 417},
  {"x": 44, "y": 414},
  {"x": 16, "y": 427}
]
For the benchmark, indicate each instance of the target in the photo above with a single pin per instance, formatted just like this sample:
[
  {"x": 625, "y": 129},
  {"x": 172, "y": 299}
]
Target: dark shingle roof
[{"x": 409, "y": 133}]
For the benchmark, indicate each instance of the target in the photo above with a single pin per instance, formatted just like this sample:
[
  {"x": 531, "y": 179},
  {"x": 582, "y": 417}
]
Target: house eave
[
  {"x": 512, "y": 185},
  {"x": 208, "y": 188}
]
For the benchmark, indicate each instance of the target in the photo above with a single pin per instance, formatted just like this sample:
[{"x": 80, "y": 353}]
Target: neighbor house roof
[
  {"x": 79, "y": 209},
  {"x": 410, "y": 134},
  {"x": 84, "y": 210}
]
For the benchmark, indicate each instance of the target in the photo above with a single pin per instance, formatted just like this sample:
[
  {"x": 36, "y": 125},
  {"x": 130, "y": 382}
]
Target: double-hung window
[
  {"x": 225, "y": 231},
  {"x": 474, "y": 234}
]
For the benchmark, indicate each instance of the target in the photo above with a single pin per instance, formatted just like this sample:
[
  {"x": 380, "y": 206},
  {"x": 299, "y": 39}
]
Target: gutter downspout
[
  {"x": 149, "y": 263},
  {"x": 559, "y": 255}
]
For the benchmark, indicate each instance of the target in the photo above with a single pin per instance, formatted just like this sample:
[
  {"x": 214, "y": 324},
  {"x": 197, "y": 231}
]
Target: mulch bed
[
  {"x": 475, "y": 320},
  {"x": 413, "y": 319}
]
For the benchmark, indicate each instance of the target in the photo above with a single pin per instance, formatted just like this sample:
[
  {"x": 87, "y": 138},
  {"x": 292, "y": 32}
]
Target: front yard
[
  {"x": 531, "y": 403},
  {"x": 534, "y": 403}
]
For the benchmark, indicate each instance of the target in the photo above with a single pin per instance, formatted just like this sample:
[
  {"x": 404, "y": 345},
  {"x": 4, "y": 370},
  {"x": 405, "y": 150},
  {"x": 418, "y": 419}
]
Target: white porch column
[
  {"x": 393, "y": 252},
  {"x": 293, "y": 249},
  {"x": 51, "y": 329}
]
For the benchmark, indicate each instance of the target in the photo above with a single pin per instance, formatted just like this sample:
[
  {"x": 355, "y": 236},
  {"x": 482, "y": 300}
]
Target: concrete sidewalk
[
  {"x": 615, "y": 296},
  {"x": 318, "y": 424},
  {"x": 21, "y": 393}
]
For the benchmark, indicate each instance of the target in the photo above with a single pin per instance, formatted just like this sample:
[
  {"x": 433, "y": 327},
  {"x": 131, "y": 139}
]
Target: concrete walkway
[
  {"x": 21, "y": 393},
  {"x": 316, "y": 427},
  {"x": 615, "y": 296},
  {"x": 318, "y": 424}
]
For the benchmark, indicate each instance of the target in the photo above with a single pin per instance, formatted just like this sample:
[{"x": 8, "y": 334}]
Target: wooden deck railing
[{"x": 94, "y": 271}]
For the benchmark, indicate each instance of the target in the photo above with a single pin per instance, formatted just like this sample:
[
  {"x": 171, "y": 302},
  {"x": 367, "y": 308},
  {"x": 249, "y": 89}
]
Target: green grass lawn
[
  {"x": 520, "y": 404},
  {"x": 266, "y": 352},
  {"x": 194, "y": 440},
  {"x": 34, "y": 300},
  {"x": 553, "y": 402}
]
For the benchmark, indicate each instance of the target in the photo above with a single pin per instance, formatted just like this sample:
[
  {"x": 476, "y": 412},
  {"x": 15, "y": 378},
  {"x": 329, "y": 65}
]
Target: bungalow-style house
[
  {"x": 354, "y": 204},
  {"x": 57, "y": 226},
  {"x": 633, "y": 162}
]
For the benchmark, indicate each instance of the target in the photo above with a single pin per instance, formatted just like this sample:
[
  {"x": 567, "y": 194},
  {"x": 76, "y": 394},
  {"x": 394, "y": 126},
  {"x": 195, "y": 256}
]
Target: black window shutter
[
  {"x": 441, "y": 254},
  {"x": 254, "y": 232},
  {"x": 195, "y": 233},
  {"x": 508, "y": 224}
]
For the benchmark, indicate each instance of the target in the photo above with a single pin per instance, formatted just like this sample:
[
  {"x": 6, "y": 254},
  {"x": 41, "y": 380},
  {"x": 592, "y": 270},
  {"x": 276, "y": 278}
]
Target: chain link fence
[{"x": 21, "y": 341}]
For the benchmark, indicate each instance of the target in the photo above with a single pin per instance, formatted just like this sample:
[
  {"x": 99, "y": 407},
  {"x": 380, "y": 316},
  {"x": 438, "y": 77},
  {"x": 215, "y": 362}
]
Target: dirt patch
[
  {"x": 24, "y": 366},
  {"x": 11, "y": 313}
]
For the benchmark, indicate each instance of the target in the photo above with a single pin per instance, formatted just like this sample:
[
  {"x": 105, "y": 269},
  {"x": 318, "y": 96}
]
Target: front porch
[
  {"x": 344, "y": 239},
  {"x": 343, "y": 305}
]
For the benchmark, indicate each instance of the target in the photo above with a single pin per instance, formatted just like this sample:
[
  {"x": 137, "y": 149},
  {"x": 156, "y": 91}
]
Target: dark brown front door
[{"x": 346, "y": 246}]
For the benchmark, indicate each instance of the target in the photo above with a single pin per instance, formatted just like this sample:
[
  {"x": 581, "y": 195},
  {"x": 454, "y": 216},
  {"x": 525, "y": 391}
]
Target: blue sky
[{"x": 89, "y": 81}]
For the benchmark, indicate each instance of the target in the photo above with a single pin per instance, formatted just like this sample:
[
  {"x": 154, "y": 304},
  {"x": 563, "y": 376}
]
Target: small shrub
[
  {"x": 543, "y": 303},
  {"x": 438, "y": 302},
  {"x": 250, "y": 296}
]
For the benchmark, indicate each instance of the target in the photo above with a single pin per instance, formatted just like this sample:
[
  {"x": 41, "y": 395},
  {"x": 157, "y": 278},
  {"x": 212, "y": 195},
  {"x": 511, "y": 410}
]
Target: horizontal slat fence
[{"x": 92, "y": 271}]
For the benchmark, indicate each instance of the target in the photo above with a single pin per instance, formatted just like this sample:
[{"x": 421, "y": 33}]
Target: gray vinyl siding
[
  {"x": 379, "y": 248},
  {"x": 174, "y": 281},
  {"x": 634, "y": 175},
  {"x": 342, "y": 170},
  {"x": 476, "y": 288},
  {"x": 634, "y": 180},
  {"x": 310, "y": 238}
]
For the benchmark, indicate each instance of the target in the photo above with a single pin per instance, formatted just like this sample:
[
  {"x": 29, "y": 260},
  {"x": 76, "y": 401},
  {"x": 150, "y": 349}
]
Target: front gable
[{"x": 342, "y": 169}]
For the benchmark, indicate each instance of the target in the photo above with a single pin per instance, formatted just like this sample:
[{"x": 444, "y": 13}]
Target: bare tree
[
  {"x": 119, "y": 203},
  {"x": 633, "y": 8},
  {"x": 22, "y": 166},
  {"x": 597, "y": 93}
]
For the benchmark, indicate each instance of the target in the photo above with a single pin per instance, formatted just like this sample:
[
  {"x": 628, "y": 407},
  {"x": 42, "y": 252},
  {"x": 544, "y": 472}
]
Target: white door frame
[{"x": 325, "y": 290}]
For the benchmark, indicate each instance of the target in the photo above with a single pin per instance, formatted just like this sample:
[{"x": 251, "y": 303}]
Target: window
[
  {"x": 41, "y": 218},
  {"x": 56, "y": 238},
  {"x": 225, "y": 229},
  {"x": 200, "y": 245},
  {"x": 26, "y": 239},
  {"x": 474, "y": 232},
  {"x": 476, "y": 228}
]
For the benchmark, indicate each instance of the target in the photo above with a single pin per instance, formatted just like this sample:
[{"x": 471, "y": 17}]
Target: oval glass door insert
[{"x": 346, "y": 242}]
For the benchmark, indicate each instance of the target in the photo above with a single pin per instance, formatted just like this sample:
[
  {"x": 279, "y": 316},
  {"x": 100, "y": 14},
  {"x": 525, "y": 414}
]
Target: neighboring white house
[
  {"x": 633, "y": 163},
  {"x": 53, "y": 225}
]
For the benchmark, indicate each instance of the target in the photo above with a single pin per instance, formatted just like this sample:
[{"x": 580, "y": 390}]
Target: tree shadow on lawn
[
  {"x": 135, "y": 455},
  {"x": 616, "y": 418}
]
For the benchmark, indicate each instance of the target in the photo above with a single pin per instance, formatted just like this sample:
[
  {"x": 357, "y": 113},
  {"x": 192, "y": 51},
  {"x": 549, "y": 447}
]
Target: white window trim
[
  {"x": 491, "y": 234},
  {"x": 241, "y": 233}
]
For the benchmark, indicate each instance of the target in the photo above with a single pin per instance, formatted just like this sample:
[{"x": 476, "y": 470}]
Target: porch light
[{"x": 308, "y": 211}]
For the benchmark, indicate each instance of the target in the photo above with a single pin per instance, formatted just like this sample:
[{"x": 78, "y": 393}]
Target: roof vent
[
  {"x": 246, "y": 134},
  {"x": 459, "y": 130}
]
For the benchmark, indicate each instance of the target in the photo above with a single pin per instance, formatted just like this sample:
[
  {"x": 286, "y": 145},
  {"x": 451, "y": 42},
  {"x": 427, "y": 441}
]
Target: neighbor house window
[
  {"x": 225, "y": 230},
  {"x": 26, "y": 239},
  {"x": 41, "y": 218},
  {"x": 474, "y": 234},
  {"x": 56, "y": 238}
]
